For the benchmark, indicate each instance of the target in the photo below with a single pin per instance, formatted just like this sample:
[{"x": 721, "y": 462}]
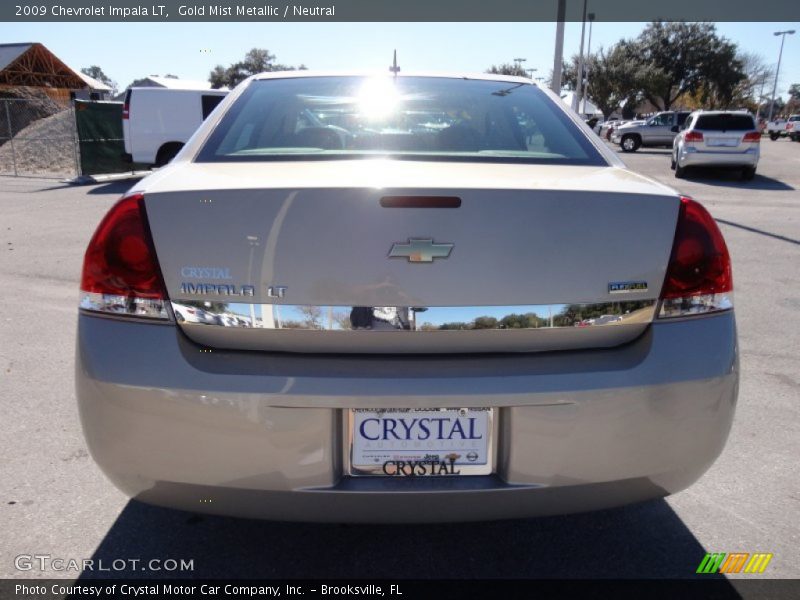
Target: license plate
[
  {"x": 723, "y": 142},
  {"x": 420, "y": 442}
]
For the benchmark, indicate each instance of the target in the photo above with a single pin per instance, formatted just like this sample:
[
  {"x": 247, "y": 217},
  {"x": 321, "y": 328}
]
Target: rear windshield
[
  {"x": 725, "y": 122},
  {"x": 405, "y": 117}
]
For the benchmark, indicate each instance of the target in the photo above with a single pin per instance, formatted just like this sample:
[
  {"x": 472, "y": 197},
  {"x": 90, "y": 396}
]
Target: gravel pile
[{"x": 43, "y": 147}]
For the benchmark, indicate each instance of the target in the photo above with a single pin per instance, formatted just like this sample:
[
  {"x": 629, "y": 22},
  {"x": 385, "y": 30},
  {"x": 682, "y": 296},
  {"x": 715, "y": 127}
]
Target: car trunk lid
[{"x": 548, "y": 258}]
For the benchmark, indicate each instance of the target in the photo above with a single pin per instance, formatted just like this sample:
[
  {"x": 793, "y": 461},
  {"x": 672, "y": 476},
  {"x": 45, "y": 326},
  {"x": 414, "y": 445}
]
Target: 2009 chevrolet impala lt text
[{"x": 403, "y": 298}]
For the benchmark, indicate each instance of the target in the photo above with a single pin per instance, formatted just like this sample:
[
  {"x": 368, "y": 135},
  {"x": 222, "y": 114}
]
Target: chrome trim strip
[
  {"x": 123, "y": 306},
  {"x": 703, "y": 304},
  {"x": 412, "y": 318}
]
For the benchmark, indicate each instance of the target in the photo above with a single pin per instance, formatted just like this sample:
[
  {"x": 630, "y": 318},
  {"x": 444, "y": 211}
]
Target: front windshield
[{"x": 430, "y": 117}]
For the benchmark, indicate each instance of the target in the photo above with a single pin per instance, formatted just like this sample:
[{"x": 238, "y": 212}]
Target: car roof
[
  {"x": 372, "y": 73},
  {"x": 721, "y": 112}
]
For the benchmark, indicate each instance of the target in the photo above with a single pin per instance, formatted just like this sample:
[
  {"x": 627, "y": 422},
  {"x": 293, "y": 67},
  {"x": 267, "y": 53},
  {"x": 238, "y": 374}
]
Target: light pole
[
  {"x": 530, "y": 73},
  {"x": 558, "y": 54},
  {"x": 518, "y": 63},
  {"x": 783, "y": 35},
  {"x": 579, "y": 74},
  {"x": 588, "y": 55}
]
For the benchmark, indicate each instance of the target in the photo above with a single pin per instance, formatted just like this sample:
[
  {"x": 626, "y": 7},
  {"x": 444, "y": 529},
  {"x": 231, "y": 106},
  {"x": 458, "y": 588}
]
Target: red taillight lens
[
  {"x": 120, "y": 268},
  {"x": 126, "y": 113},
  {"x": 699, "y": 277},
  {"x": 753, "y": 136},
  {"x": 693, "y": 136}
]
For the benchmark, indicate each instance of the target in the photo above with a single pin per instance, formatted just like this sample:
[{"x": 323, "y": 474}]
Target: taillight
[
  {"x": 753, "y": 136},
  {"x": 699, "y": 278},
  {"x": 126, "y": 105},
  {"x": 693, "y": 136},
  {"x": 120, "y": 272}
]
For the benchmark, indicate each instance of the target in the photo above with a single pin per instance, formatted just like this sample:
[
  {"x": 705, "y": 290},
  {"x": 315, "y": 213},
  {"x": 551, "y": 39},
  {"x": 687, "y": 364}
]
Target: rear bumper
[
  {"x": 260, "y": 435},
  {"x": 748, "y": 158}
]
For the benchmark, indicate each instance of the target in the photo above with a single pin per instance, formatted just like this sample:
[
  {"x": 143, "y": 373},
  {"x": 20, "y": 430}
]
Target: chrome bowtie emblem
[{"x": 417, "y": 250}]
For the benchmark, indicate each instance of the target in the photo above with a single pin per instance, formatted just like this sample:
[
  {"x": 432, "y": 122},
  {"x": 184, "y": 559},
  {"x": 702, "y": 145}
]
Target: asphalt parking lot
[{"x": 55, "y": 501}]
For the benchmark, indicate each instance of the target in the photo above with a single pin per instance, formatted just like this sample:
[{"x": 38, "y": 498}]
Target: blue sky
[{"x": 127, "y": 51}]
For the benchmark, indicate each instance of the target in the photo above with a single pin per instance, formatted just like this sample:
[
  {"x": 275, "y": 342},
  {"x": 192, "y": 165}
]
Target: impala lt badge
[
  {"x": 216, "y": 289},
  {"x": 276, "y": 291},
  {"x": 420, "y": 250}
]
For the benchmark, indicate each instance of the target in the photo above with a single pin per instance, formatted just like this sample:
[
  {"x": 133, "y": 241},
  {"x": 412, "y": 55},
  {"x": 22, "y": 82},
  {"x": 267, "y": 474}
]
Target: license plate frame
[{"x": 355, "y": 465}]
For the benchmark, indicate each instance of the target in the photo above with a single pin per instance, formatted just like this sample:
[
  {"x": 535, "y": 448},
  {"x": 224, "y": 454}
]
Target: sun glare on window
[{"x": 378, "y": 99}]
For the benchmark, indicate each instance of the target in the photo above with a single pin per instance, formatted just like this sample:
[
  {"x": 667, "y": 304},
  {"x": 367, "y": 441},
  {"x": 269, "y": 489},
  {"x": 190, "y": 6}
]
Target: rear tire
[
  {"x": 680, "y": 172},
  {"x": 630, "y": 143},
  {"x": 774, "y": 136},
  {"x": 748, "y": 173}
]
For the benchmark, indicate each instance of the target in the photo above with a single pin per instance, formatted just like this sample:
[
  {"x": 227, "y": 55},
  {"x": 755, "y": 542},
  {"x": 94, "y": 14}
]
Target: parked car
[
  {"x": 414, "y": 285},
  {"x": 793, "y": 128},
  {"x": 156, "y": 122},
  {"x": 658, "y": 130},
  {"x": 603, "y": 125},
  {"x": 776, "y": 129},
  {"x": 609, "y": 131},
  {"x": 718, "y": 139}
]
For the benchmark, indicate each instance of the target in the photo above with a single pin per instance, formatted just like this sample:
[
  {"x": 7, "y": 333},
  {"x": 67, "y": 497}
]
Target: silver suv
[
  {"x": 658, "y": 130},
  {"x": 718, "y": 138}
]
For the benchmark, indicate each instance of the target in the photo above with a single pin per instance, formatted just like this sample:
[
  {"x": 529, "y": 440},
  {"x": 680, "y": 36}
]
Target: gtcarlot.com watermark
[{"x": 49, "y": 563}]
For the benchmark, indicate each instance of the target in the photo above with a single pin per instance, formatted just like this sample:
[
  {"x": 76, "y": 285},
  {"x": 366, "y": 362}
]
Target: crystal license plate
[{"x": 420, "y": 442}]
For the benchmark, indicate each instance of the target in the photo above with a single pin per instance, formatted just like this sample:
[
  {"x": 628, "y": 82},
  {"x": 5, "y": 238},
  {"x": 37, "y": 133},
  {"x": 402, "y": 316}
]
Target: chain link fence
[{"x": 38, "y": 138}]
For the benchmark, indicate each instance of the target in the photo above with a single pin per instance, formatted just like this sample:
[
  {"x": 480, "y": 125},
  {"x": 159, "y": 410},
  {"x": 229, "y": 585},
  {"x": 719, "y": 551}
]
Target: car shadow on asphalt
[
  {"x": 661, "y": 151},
  {"x": 646, "y": 540},
  {"x": 732, "y": 178},
  {"x": 114, "y": 187}
]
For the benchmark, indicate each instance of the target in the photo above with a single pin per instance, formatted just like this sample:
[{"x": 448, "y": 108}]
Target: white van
[{"x": 156, "y": 122}]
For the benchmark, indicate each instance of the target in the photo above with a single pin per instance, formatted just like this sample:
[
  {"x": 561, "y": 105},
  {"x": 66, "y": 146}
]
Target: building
[
  {"x": 173, "y": 83},
  {"x": 32, "y": 65},
  {"x": 586, "y": 108},
  {"x": 96, "y": 90}
]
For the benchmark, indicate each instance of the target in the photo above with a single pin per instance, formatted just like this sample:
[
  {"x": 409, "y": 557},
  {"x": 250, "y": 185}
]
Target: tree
[
  {"x": 793, "y": 105},
  {"x": 724, "y": 74},
  {"x": 569, "y": 74},
  {"x": 680, "y": 57},
  {"x": 507, "y": 69},
  {"x": 312, "y": 317},
  {"x": 257, "y": 60},
  {"x": 758, "y": 75},
  {"x": 613, "y": 77},
  {"x": 97, "y": 73}
]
